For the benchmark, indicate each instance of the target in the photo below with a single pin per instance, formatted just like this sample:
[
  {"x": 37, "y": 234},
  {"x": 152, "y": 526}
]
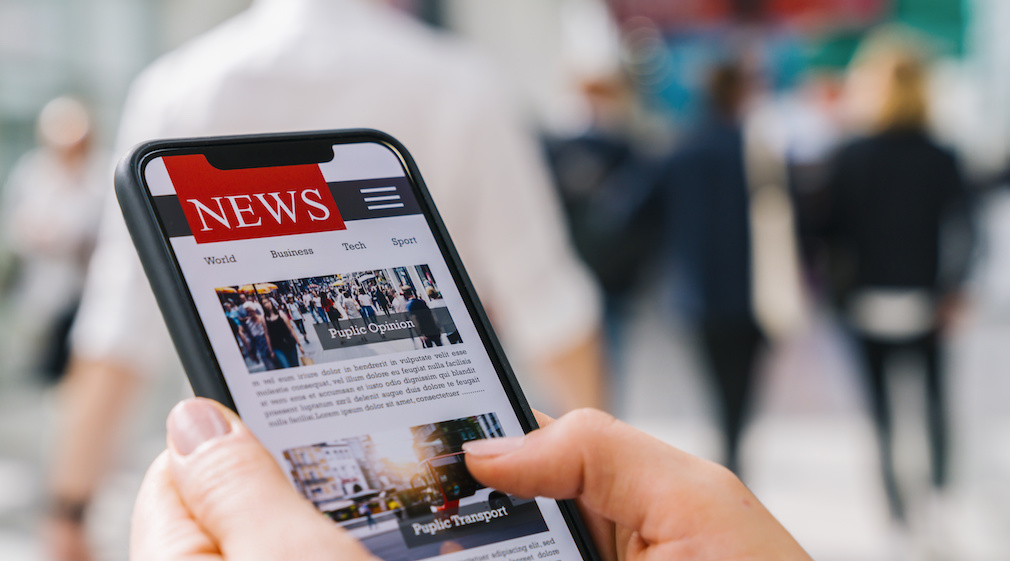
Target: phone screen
[{"x": 350, "y": 350}]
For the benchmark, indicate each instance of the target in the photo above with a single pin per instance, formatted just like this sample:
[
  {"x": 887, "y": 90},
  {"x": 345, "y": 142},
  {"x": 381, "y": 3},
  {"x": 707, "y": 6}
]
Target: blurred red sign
[{"x": 669, "y": 14}]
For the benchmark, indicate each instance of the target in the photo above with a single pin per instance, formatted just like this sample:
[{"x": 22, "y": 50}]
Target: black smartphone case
[{"x": 172, "y": 294}]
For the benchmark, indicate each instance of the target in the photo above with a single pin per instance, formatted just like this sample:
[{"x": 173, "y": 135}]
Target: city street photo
[{"x": 407, "y": 494}]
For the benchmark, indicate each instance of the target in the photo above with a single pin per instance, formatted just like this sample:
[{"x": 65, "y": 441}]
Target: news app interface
[{"x": 349, "y": 351}]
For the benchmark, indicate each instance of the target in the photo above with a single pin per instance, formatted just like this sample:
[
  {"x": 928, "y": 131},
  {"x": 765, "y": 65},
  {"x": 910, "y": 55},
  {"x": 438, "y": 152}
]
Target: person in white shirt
[
  {"x": 309, "y": 305},
  {"x": 49, "y": 211},
  {"x": 286, "y": 65},
  {"x": 400, "y": 303},
  {"x": 317, "y": 307},
  {"x": 296, "y": 317},
  {"x": 249, "y": 304},
  {"x": 365, "y": 305},
  {"x": 343, "y": 304}
]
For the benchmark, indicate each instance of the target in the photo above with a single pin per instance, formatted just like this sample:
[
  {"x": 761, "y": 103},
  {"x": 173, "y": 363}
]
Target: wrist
[{"x": 68, "y": 509}]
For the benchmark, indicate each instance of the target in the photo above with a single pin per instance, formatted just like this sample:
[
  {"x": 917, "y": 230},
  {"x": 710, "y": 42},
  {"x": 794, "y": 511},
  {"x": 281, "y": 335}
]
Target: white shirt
[
  {"x": 48, "y": 219},
  {"x": 399, "y": 304},
  {"x": 892, "y": 314},
  {"x": 288, "y": 65},
  {"x": 251, "y": 305}
]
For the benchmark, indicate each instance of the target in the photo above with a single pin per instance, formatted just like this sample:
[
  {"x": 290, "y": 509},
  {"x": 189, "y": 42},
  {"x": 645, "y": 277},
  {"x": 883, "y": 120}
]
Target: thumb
[{"x": 237, "y": 493}]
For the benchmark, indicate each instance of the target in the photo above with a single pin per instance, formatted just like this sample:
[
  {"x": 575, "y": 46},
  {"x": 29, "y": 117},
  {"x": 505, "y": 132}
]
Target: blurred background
[{"x": 796, "y": 211}]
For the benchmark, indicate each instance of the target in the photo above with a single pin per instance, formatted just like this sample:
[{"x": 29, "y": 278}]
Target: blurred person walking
[
  {"x": 379, "y": 296},
  {"x": 364, "y": 301},
  {"x": 283, "y": 339},
  {"x": 296, "y": 310},
  {"x": 330, "y": 311},
  {"x": 605, "y": 180},
  {"x": 237, "y": 327},
  {"x": 256, "y": 326},
  {"x": 423, "y": 318},
  {"x": 400, "y": 303},
  {"x": 317, "y": 307},
  {"x": 708, "y": 242},
  {"x": 314, "y": 64},
  {"x": 892, "y": 196},
  {"x": 348, "y": 303},
  {"x": 49, "y": 212},
  {"x": 308, "y": 301}
]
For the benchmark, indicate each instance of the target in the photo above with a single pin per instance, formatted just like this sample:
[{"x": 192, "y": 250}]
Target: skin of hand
[
  {"x": 94, "y": 399},
  {"x": 951, "y": 311},
  {"x": 576, "y": 374},
  {"x": 67, "y": 540},
  {"x": 216, "y": 493},
  {"x": 642, "y": 499}
]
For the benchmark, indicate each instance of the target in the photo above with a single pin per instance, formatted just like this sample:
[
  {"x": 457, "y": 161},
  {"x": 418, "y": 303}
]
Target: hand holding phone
[
  {"x": 216, "y": 493},
  {"x": 642, "y": 498}
]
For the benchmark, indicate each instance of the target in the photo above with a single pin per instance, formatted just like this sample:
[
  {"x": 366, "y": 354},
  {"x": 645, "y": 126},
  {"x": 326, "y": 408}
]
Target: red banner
[
  {"x": 224, "y": 205},
  {"x": 677, "y": 14}
]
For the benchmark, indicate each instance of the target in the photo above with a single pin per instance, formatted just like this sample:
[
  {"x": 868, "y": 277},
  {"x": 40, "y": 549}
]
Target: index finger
[
  {"x": 619, "y": 473},
  {"x": 543, "y": 419}
]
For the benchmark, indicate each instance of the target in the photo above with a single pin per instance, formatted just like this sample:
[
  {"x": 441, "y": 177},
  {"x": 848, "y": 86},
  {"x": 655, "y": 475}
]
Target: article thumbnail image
[
  {"x": 288, "y": 323},
  {"x": 407, "y": 494}
]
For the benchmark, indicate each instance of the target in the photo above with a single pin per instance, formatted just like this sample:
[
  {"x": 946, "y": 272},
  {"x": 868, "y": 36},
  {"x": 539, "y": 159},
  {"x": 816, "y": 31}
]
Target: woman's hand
[
  {"x": 642, "y": 500},
  {"x": 217, "y": 494}
]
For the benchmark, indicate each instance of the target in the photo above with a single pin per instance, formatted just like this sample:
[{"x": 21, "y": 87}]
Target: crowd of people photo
[{"x": 273, "y": 321}]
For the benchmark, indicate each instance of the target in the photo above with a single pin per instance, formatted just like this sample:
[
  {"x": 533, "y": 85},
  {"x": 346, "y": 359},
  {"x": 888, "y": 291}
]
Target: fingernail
[
  {"x": 491, "y": 447},
  {"x": 193, "y": 422}
]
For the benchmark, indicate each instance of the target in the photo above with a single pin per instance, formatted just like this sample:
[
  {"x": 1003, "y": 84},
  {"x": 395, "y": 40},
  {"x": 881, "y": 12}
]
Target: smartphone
[{"x": 309, "y": 284}]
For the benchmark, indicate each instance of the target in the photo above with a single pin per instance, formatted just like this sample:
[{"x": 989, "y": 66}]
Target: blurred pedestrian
[
  {"x": 283, "y": 339},
  {"x": 708, "y": 231},
  {"x": 296, "y": 309},
  {"x": 256, "y": 326},
  {"x": 892, "y": 196},
  {"x": 347, "y": 301},
  {"x": 604, "y": 178},
  {"x": 379, "y": 297},
  {"x": 330, "y": 311},
  {"x": 308, "y": 301},
  {"x": 317, "y": 307},
  {"x": 400, "y": 303},
  {"x": 423, "y": 318},
  {"x": 49, "y": 212},
  {"x": 364, "y": 301},
  {"x": 237, "y": 326}
]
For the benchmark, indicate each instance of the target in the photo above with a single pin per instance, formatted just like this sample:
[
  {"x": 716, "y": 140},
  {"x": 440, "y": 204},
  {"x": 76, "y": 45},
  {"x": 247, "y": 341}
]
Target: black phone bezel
[{"x": 263, "y": 150}]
